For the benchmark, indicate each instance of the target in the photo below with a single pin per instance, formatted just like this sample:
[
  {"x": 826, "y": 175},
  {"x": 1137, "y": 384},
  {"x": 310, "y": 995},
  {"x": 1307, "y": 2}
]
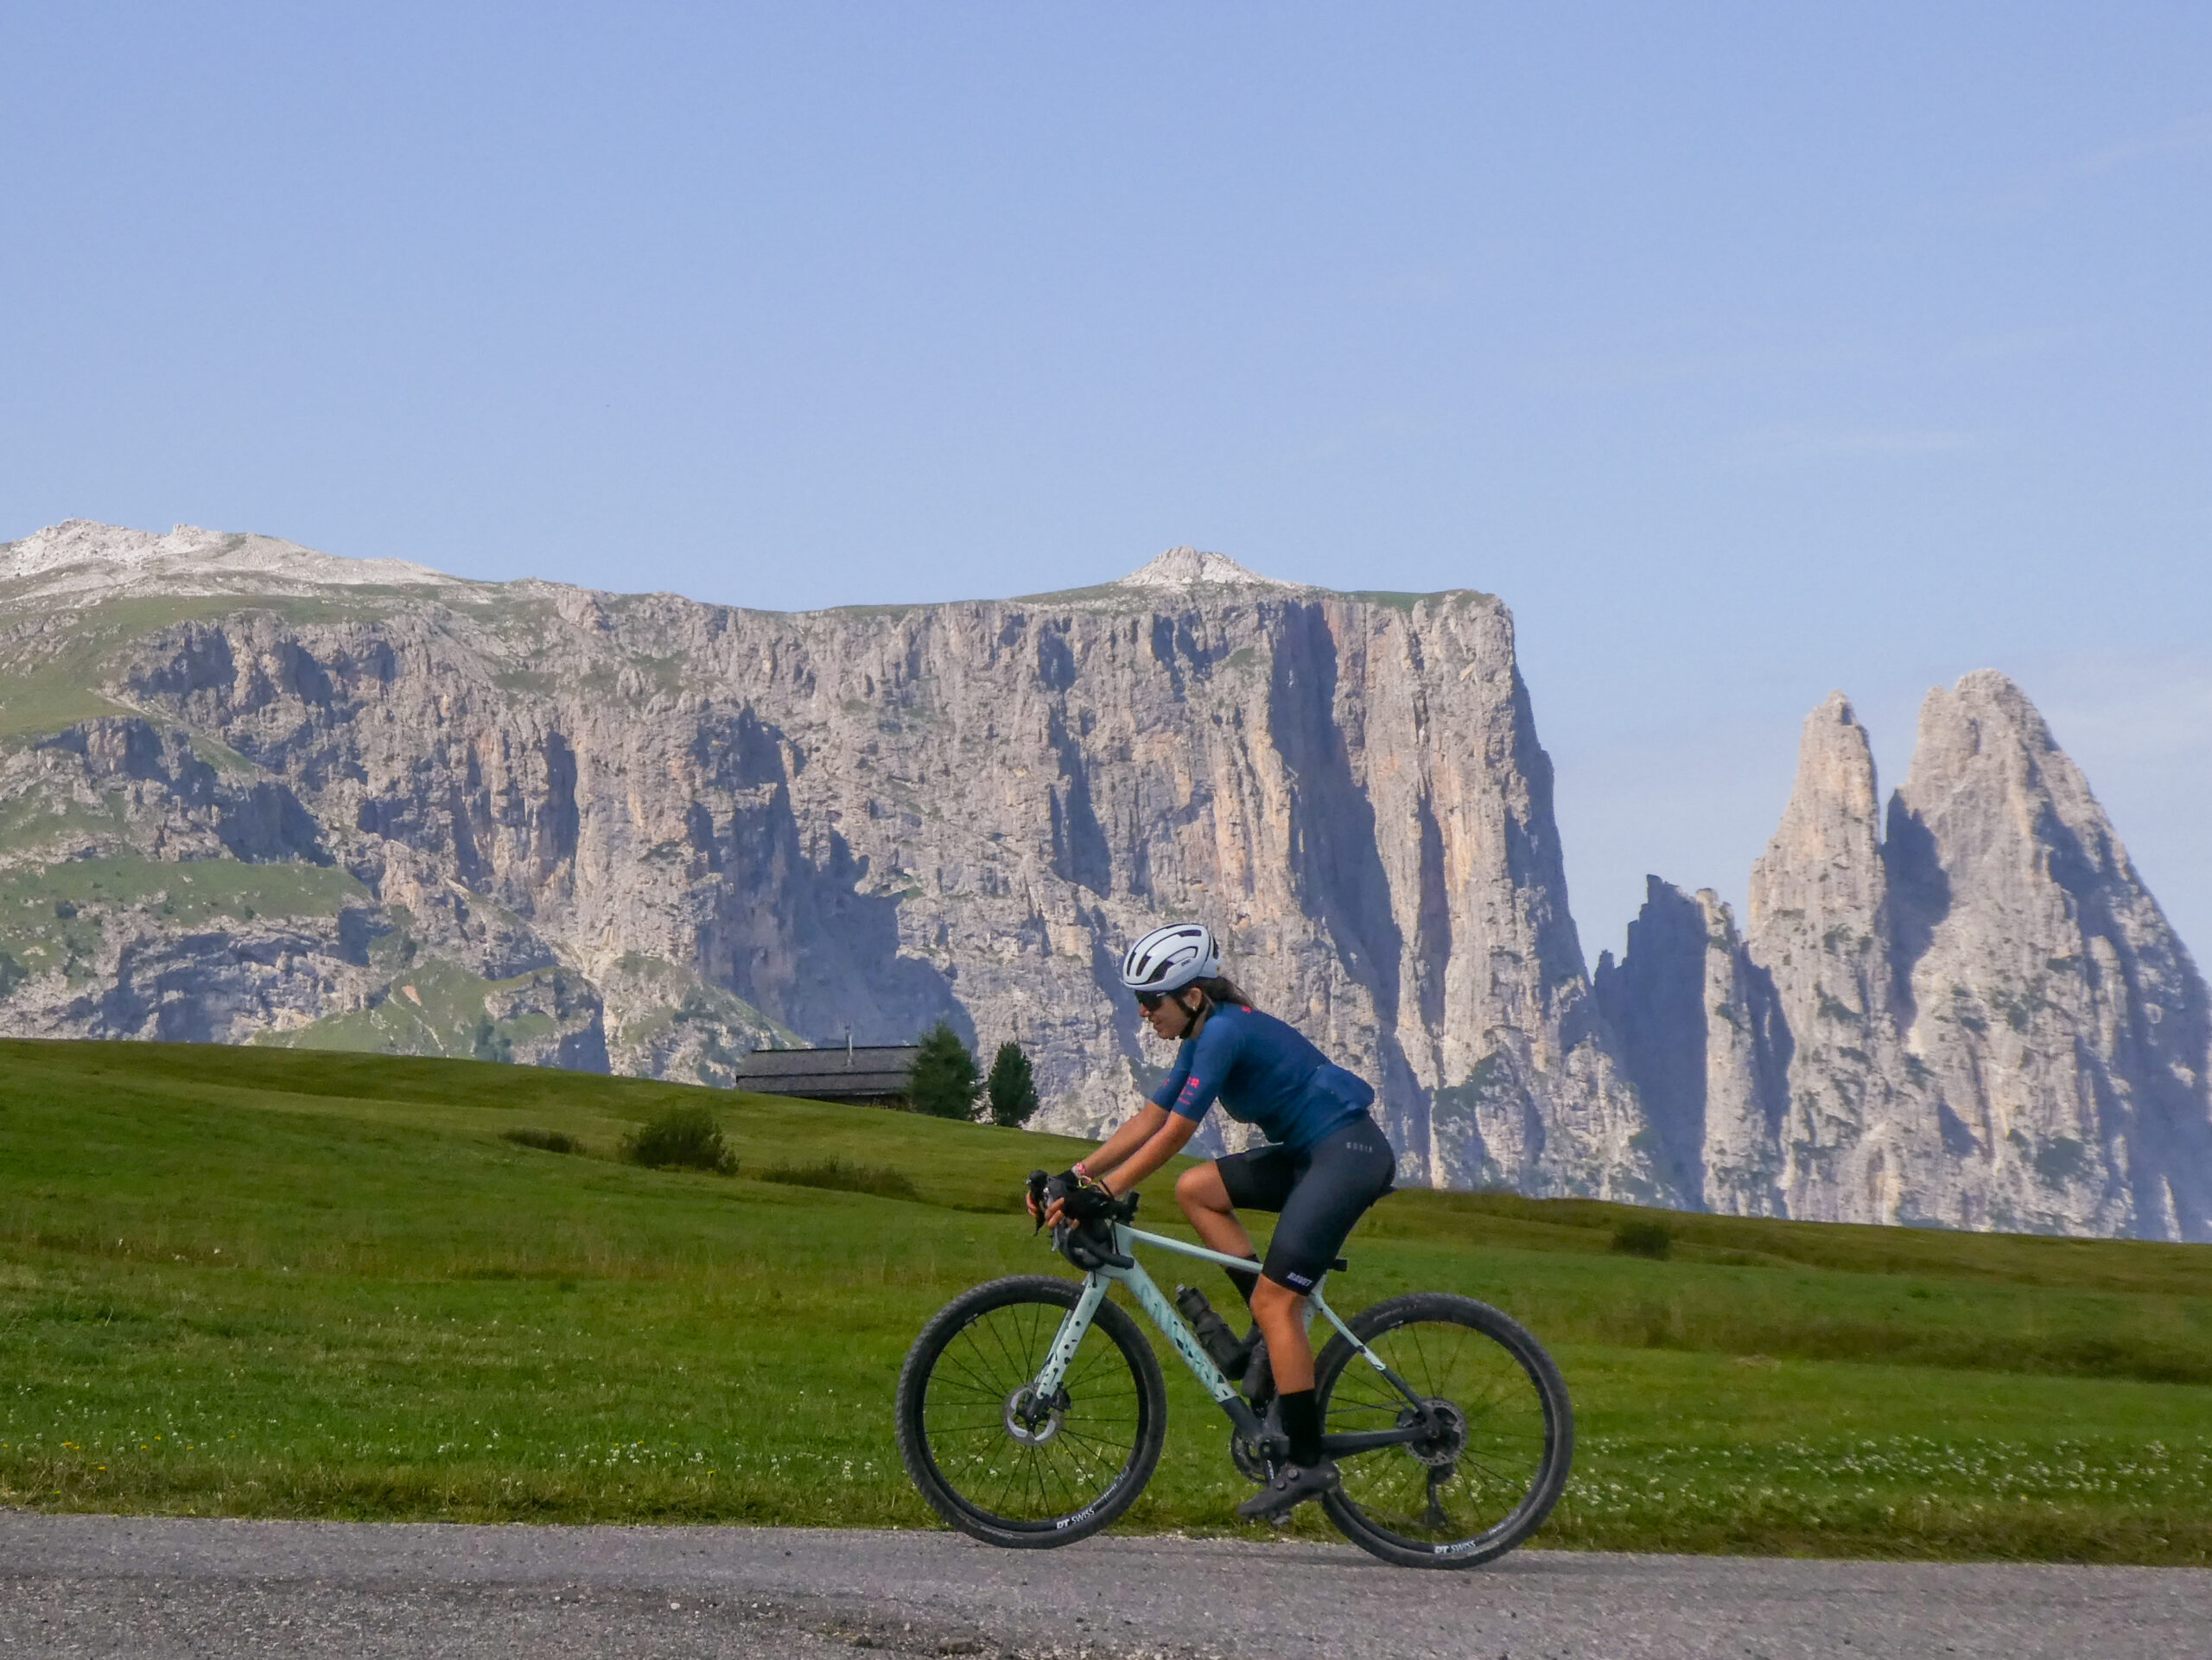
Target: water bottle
[{"x": 1213, "y": 1333}]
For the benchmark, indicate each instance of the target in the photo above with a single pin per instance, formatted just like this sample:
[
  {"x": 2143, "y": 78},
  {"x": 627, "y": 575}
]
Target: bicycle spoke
[
  {"x": 1091, "y": 1364},
  {"x": 978, "y": 1363},
  {"x": 966, "y": 1381},
  {"x": 1091, "y": 1429},
  {"x": 1498, "y": 1444},
  {"x": 998, "y": 1336}
]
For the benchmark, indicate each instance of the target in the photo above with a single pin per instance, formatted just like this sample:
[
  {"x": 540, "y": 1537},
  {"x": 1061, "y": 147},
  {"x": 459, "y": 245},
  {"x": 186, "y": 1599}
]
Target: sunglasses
[{"x": 1148, "y": 1000}]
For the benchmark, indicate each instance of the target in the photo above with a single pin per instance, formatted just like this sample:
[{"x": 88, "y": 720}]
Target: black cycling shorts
[{"x": 1321, "y": 1189}]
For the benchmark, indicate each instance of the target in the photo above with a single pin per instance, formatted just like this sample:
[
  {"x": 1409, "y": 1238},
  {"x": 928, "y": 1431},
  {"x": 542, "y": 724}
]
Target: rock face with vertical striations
[
  {"x": 1853, "y": 1130},
  {"x": 1978, "y": 1020},
  {"x": 1699, "y": 1024},
  {"x": 252, "y": 793},
  {"x": 2062, "y": 1026}
]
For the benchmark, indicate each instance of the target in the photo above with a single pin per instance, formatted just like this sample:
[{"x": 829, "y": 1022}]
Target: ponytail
[{"x": 1221, "y": 989}]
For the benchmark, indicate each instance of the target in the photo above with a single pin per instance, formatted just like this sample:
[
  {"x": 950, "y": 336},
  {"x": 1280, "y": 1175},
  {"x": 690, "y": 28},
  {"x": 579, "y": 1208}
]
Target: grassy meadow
[{"x": 270, "y": 1282}]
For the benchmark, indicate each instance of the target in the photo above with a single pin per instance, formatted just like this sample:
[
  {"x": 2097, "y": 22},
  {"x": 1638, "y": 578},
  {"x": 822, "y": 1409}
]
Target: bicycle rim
[
  {"x": 1005, "y": 1467},
  {"x": 1489, "y": 1478}
]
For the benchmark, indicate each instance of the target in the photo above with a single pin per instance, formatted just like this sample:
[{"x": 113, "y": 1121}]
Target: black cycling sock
[
  {"x": 1246, "y": 1279},
  {"x": 1301, "y": 1422}
]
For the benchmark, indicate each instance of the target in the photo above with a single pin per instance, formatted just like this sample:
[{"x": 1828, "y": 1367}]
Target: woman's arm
[
  {"x": 1164, "y": 1142},
  {"x": 1156, "y": 1133},
  {"x": 1124, "y": 1141}
]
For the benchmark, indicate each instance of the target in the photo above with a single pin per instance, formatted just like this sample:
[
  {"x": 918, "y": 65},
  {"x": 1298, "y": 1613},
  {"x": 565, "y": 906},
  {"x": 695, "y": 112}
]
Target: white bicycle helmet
[{"x": 1169, "y": 958}]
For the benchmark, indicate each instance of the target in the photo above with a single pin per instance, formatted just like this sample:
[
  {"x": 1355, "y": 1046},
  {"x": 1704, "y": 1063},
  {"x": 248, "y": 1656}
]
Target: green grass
[
  {"x": 434, "y": 1006},
  {"x": 1406, "y": 602},
  {"x": 50, "y": 689},
  {"x": 35, "y": 820},
  {"x": 544, "y": 1141},
  {"x": 190, "y": 891},
  {"x": 51, "y": 916},
  {"x": 263, "y": 1282},
  {"x": 838, "y": 1174}
]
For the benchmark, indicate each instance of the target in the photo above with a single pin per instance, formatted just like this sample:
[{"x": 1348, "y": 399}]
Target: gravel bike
[{"x": 1032, "y": 1410}]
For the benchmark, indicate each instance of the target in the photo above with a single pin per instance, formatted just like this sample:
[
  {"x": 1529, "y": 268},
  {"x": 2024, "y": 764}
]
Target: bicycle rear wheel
[
  {"x": 1504, "y": 1437},
  {"x": 1012, "y": 1470}
]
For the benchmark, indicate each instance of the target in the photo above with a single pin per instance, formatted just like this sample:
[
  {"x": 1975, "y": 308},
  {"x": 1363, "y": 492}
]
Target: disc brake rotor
[
  {"x": 1032, "y": 1423},
  {"x": 1447, "y": 1438}
]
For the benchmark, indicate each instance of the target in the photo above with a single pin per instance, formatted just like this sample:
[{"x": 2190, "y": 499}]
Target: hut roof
[{"x": 862, "y": 1072}]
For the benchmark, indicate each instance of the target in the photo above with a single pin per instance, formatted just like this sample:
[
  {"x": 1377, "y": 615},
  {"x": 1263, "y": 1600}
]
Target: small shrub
[
  {"x": 1644, "y": 1239},
  {"x": 943, "y": 1082},
  {"x": 545, "y": 1140},
  {"x": 1011, "y": 1091},
  {"x": 847, "y": 1178},
  {"x": 681, "y": 1138}
]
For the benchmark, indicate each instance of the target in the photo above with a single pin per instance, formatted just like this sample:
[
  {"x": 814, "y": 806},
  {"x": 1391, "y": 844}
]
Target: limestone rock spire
[
  {"x": 1981, "y": 1020},
  {"x": 1855, "y": 1132},
  {"x": 2041, "y": 988},
  {"x": 1699, "y": 1038},
  {"x": 1824, "y": 861}
]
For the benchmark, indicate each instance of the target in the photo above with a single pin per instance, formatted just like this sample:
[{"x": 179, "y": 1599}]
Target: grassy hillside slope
[{"x": 267, "y": 1283}]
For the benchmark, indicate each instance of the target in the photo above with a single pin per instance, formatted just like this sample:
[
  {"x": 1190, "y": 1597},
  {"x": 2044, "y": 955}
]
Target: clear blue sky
[{"x": 1748, "y": 351}]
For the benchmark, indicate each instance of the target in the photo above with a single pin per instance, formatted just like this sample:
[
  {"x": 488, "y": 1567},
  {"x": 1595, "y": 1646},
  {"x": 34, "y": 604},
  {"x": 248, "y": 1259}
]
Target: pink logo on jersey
[{"x": 1189, "y": 1090}]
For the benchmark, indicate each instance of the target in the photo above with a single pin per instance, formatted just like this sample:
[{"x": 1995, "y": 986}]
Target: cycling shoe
[{"x": 1291, "y": 1486}]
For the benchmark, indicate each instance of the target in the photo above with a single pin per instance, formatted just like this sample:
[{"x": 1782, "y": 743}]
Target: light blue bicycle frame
[{"x": 1163, "y": 1314}]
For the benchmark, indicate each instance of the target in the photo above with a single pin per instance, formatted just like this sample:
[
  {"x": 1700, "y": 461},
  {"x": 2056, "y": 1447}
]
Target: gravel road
[{"x": 86, "y": 1586}]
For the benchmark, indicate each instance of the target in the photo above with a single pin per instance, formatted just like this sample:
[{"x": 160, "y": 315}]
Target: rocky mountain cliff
[
  {"x": 1972, "y": 1015},
  {"x": 253, "y": 792}
]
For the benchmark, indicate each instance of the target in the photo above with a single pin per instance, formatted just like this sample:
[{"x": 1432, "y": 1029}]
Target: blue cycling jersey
[{"x": 1264, "y": 1073}]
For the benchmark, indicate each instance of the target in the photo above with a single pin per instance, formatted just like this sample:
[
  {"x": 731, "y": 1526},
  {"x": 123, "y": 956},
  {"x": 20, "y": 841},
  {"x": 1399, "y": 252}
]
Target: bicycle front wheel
[
  {"x": 1502, "y": 1439},
  {"x": 1003, "y": 1465}
]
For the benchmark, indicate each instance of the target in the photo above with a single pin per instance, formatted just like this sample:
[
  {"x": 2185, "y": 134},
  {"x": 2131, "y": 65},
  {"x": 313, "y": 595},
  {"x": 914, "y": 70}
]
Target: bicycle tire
[
  {"x": 960, "y": 1383},
  {"x": 1482, "y": 1488}
]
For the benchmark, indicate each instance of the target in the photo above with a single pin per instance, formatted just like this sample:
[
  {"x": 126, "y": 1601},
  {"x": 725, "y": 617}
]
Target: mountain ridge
[
  {"x": 643, "y": 833},
  {"x": 871, "y": 817}
]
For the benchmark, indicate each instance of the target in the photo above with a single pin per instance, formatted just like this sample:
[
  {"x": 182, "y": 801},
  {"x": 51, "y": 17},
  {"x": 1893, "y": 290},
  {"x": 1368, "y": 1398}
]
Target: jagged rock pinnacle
[{"x": 1978, "y": 1020}]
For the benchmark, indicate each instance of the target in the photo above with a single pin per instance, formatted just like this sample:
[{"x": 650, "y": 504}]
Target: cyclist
[{"x": 1324, "y": 1162}]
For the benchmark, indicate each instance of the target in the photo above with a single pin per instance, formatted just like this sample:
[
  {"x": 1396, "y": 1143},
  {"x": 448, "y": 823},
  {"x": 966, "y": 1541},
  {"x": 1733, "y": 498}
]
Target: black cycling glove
[{"x": 1085, "y": 1199}]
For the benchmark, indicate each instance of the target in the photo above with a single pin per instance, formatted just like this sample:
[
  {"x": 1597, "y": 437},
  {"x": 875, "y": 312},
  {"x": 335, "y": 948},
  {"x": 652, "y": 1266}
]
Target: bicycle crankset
[{"x": 1251, "y": 1458}]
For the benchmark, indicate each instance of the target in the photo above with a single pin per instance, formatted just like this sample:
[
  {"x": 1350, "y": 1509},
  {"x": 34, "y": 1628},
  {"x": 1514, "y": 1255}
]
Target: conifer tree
[
  {"x": 1012, "y": 1090},
  {"x": 943, "y": 1081}
]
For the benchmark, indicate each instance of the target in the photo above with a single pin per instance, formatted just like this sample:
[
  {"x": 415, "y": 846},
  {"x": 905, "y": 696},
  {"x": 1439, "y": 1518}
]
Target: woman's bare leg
[
  {"x": 1277, "y": 1308},
  {"x": 1281, "y": 1314},
  {"x": 1205, "y": 1202}
]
